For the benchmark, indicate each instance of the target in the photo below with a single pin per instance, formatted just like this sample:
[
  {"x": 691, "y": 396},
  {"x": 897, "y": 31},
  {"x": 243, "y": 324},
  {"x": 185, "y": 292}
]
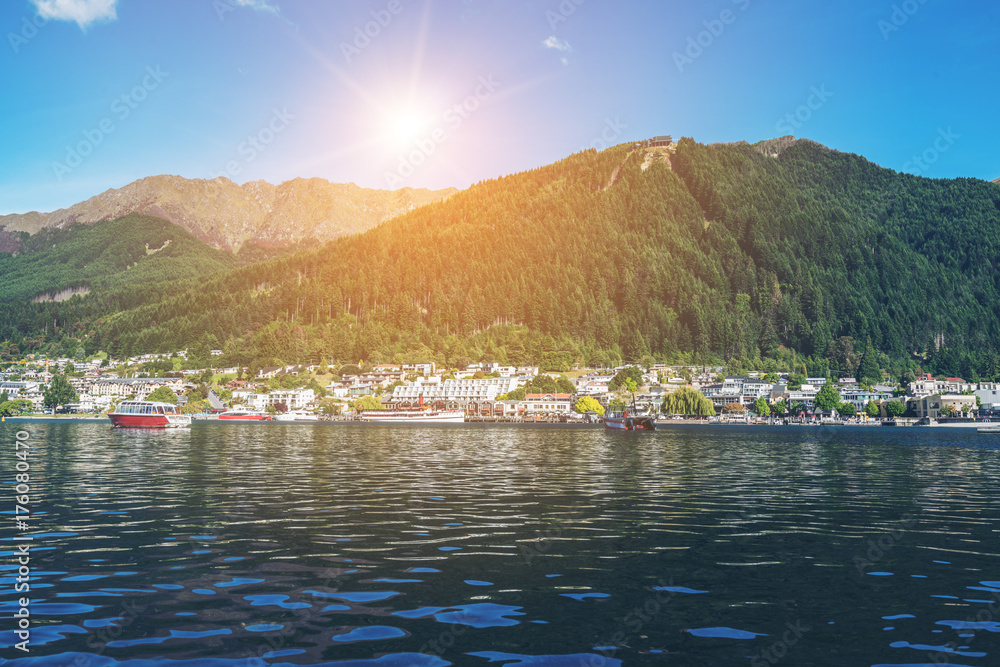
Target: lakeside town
[{"x": 483, "y": 392}]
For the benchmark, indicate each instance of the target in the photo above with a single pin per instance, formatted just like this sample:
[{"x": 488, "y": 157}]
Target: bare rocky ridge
[{"x": 228, "y": 216}]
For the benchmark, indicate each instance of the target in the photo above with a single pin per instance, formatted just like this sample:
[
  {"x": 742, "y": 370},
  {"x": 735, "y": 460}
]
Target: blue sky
[{"x": 435, "y": 93}]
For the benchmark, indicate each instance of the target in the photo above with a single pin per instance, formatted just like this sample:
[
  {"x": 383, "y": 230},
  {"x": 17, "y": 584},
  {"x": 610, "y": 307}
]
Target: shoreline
[{"x": 660, "y": 425}]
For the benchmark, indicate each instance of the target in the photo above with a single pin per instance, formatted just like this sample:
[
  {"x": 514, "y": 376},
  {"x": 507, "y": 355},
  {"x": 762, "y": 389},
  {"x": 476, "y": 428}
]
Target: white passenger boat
[
  {"x": 413, "y": 416},
  {"x": 297, "y": 416},
  {"x": 244, "y": 415}
]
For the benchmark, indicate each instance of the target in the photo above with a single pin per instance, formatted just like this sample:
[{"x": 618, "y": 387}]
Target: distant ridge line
[{"x": 229, "y": 216}]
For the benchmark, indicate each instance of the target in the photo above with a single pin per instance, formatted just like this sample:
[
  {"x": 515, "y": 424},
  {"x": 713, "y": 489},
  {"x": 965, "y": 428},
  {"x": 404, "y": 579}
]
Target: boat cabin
[{"x": 146, "y": 408}]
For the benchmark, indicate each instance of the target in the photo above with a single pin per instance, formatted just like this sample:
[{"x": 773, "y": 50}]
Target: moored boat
[
  {"x": 952, "y": 422},
  {"x": 244, "y": 415},
  {"x": 630, "y": 419},
  {"x": 413, "y": 416},
  {"x": 297, "y": 416},
  {"x": 148, "y": 414}
]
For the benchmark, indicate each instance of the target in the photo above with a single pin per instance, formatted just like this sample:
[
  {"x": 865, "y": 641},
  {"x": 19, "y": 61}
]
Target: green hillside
[
  {"x": 724, "y": 254},
  {"x": 105, "y": 258}
]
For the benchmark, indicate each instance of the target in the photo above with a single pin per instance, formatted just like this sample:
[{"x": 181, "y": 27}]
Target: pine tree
[{"x": 868, "y": 370}]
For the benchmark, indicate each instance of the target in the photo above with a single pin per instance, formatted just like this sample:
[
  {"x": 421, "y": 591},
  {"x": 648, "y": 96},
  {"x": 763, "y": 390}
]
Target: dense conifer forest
[{"x": 774, "y": 256}]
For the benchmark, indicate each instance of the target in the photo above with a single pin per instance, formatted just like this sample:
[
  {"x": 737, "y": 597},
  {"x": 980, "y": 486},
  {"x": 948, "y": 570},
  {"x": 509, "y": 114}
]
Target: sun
[{"x": 406, "y": 127}]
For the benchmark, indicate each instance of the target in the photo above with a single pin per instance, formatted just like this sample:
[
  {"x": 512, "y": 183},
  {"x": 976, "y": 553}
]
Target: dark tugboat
[{"x": 630, "y": 419}]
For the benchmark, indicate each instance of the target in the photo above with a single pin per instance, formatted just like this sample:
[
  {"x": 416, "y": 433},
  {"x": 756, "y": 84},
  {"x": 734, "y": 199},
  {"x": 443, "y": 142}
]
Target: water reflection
[{"x": 313, "y": 544}]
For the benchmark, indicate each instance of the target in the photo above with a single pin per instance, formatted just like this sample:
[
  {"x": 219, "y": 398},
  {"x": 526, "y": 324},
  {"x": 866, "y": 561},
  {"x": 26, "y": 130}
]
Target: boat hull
[
  {"x": 629, "y": 424},
  {"x": 148, "y": 421},
  {"x": 244, "y": 418},
  {"x": 297, "y": 417},
  {"x": 148, "y": 414}
]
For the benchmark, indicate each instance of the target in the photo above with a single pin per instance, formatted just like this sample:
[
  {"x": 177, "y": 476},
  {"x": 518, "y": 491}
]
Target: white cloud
[
  {"x": 258, "y": 6},
  {"x": 83, "y": 12},
  {"x": 554, "y": 42}
]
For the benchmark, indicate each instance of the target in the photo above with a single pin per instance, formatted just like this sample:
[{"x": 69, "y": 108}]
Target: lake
[{"x": 303, "y": 544}]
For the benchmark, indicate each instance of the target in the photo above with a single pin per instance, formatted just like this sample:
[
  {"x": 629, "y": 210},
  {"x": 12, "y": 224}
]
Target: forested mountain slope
[
  {"x": 722, "y": 252},
  {"x": 127, "y": 251}
]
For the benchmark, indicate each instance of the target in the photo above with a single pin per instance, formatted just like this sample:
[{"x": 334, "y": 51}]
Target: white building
[
  {"x": 293, "y": 399},
  {"x": 13, "y": 387},
  {"x": 140, "y": 387},
  {"x": 458, "y": 391},
  {"x": 422, "y": 369},
  {"x": 859, "y": 397},
  {"x": 928, "y": 386},
  {"x": 548, "y": 404},
  {"x": 742, "y": 390},
  {"x": 805, "y": 394},
  {"x": 592, "y": 385},
  {"x": 932, "y": 406},
  {"x": 989, "y": 395}
]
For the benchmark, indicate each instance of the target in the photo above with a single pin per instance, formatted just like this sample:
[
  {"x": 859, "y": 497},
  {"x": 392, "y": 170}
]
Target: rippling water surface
[{"x": 290, "y": 544}]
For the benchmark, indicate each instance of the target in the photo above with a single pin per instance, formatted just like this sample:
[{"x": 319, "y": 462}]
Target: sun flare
[{"x": 407, "y": 126}]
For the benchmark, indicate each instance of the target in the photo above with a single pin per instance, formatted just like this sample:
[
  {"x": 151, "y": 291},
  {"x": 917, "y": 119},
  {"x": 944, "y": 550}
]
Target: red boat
[
  {"x": 245, "y": 416},
  {"x": 148, "y": 414}
]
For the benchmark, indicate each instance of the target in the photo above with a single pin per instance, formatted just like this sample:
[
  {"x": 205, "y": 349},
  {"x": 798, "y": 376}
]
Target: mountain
[
  {"x": 784, "y": 254},
  {"x": 55, "y": 264},
  {"x": 229, "y": 216}
]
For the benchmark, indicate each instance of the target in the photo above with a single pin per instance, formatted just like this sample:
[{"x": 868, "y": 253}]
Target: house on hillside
[{"x": 421, "y": 369}]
